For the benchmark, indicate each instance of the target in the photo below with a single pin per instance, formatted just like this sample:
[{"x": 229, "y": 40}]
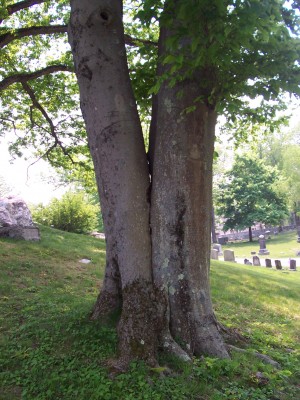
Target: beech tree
[{"x": 156, "y": 202}]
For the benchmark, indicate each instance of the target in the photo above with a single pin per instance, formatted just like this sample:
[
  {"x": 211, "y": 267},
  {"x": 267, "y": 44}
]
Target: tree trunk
[
  {"x": 116, "y": 144},
  {"x": 250, "y": 234},
  {"x": 213, "y": 226},
  {"x": 181, "y": 206}
]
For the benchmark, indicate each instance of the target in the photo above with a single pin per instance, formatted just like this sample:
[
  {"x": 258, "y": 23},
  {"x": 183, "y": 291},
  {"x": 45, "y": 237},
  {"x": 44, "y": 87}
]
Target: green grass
[
  {"x": 50, "y": 350},
  {"x": 284, "y": 245}
]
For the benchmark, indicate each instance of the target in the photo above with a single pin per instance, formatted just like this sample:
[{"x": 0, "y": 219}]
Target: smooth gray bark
[
  {"x": 116, "y": 144},
  {"x": 164, "y": 294}
]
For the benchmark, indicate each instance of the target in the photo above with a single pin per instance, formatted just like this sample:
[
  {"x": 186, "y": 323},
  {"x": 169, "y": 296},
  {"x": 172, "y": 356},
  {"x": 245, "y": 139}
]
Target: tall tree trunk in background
[
  {"x": 116, "y": 144},
  {"x": 213, "y": 226},
  {"x": 250, "y": 234},
  {"x": 181, "y": 206}
]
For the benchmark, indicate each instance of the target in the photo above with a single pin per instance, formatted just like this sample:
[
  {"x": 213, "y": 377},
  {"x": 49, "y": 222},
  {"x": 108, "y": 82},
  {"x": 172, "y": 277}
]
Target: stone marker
[
  {"x": 253, "y": 252},
  {"x": 256, "y": 261},
  {"x": 15, "y": 219},
  {"x": 247, "y": 262},
  {"x": 292, "y": 265},
  {"x": 214, "y": 254},
  {"x": 218, "y": 247},
  {"x": 298, "y": 253},
  {"x": 262, "y": 245},
  {"x": 278, "y": 264},
  {"x": 229, "y": 255},
  {"x": 268, "y": 263}
]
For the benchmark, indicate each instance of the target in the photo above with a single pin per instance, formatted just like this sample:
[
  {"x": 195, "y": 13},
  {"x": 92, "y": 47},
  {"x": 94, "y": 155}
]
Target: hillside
[{"x": 49, "y": 349}]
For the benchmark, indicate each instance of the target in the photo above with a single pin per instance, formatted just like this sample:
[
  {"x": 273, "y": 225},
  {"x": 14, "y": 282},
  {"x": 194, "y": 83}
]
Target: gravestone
[
  {"x": 262, "y": 245},
  {"x": 268, "y": 263},
  {"x": 229, "y": 255},
  {"x": 218, "y": 247},
  {"x": 214, "y": 254},
  {"x": 223, "y": 240},
  {"x": 278, "y": 264},
  {"x": 292, "y": 265},
  {"x": 256, "y": 261},
  {"x": 15, "y": 219},
  {"x": 247, "y": 262},
  {"x": 298, "y": 253}
]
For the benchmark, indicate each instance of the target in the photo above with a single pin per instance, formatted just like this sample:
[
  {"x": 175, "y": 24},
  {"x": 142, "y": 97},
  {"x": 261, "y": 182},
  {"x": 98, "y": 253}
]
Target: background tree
[
  {"x": 74, "y": 212},
  {"x": 248, "y": 196},
  {"x": 158, "y": 230}
]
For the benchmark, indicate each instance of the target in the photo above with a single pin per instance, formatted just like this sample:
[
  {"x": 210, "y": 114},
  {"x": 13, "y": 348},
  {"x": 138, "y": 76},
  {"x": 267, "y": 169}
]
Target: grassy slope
[
  {"x": 50, "y": 350},
  {"x": 280, "y": 246}
]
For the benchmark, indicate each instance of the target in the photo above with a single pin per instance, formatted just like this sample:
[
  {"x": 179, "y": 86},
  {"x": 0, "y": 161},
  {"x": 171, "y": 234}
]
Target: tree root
[
  {"x": 169, "y": 346},
  {"x": 266, "y": 359},
  {"x": 230, "y": 335}
]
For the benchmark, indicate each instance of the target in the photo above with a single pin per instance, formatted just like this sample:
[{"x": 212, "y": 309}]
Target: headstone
[
  {"x": 278, "y": 264},
  {"x": 15, "y": 219},
  {"x": 247, "y": 262},
  {"x": 298, "y": 253},
  {"x": 262, "y": 245},
  {"x": 256, "y": 261},
  {"x": 268, "y": 263},
  {"x": 253, "y": 252},
  {"x": 214, "y": 254},
  {"x": 223, "y": 240},
  {"x": 218, "y": 247},
  {"x": 298, "y": 233},
  {"x": 292, "y": 265},
  {"x": 229, "y": 255}
]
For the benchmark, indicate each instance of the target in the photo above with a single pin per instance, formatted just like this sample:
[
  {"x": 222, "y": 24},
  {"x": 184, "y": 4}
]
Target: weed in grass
[{"x": 50, "y": 350}]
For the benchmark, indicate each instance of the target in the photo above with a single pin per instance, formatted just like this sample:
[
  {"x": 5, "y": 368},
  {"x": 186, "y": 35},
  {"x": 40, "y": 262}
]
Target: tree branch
[
  {"x": 25, "y": 77},
  {"x": 13, "y": 8},
  {"x": 37, "y": 105},
  {"x": 7, "y": 38},
  {"x": 132, "y": 41}
]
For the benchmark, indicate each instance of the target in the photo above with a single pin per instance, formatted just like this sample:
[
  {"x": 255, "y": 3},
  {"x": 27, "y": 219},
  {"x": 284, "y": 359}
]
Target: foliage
[
  {"x": 49, "y": 349},
  {"x": 247, "y": 195},
  {"x": 291, "y": 170},
  {"x": 233, "y": 49},
  {"x": 72, "y": 213}
]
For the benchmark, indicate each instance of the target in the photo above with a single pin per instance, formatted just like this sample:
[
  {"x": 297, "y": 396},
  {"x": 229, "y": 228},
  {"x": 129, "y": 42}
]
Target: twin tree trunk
[{"x": 157, "y": 229}]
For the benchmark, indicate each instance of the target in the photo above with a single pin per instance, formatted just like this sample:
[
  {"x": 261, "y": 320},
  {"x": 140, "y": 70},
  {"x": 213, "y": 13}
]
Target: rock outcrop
[{"x": 16, "y": 220}]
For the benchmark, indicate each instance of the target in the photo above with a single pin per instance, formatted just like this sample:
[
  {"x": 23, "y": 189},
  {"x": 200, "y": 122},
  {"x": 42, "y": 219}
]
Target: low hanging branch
[
  {"x": 25, "y": 77},
  {"x": 38, "y": 106},
  {"x": 22, "y": 5},
  {"x": 9, "y": 37}
]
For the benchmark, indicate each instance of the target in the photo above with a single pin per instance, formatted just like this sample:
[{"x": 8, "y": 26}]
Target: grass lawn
[
  {"x": 50, "y": 350},
  {"x": 284, "y": 245}
]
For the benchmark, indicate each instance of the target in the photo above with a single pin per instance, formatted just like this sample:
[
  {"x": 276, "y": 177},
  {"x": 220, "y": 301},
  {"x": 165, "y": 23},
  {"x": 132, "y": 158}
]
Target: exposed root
[
  {"x": 266, "y": 359},
  {"x": 230, "y": 335},
  {"x": 169, "y": 346}
]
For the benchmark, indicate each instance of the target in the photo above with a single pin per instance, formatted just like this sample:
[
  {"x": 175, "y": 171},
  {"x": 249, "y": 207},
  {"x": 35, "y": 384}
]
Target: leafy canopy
[
  {"x": 234, "y": 49},
  {"x": 248, "y": 195}
]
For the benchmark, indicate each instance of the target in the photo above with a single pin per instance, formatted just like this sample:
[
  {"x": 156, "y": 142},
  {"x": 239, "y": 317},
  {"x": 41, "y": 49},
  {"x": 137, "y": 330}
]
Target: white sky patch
[{"x": 32, "y": 183}]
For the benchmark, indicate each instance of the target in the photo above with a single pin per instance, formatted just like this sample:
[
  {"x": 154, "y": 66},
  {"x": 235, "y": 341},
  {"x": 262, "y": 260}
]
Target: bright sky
[{"x": 29, "y": 183}]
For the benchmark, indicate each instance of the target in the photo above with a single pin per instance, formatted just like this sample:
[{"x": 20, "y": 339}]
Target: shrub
[{"x": 72, "y": 213}]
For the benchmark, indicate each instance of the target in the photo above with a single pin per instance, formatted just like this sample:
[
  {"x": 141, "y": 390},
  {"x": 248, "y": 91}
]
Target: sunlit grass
[
  {"x": 284, "y": 245},
  {"x": 50, "y": 350}
]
